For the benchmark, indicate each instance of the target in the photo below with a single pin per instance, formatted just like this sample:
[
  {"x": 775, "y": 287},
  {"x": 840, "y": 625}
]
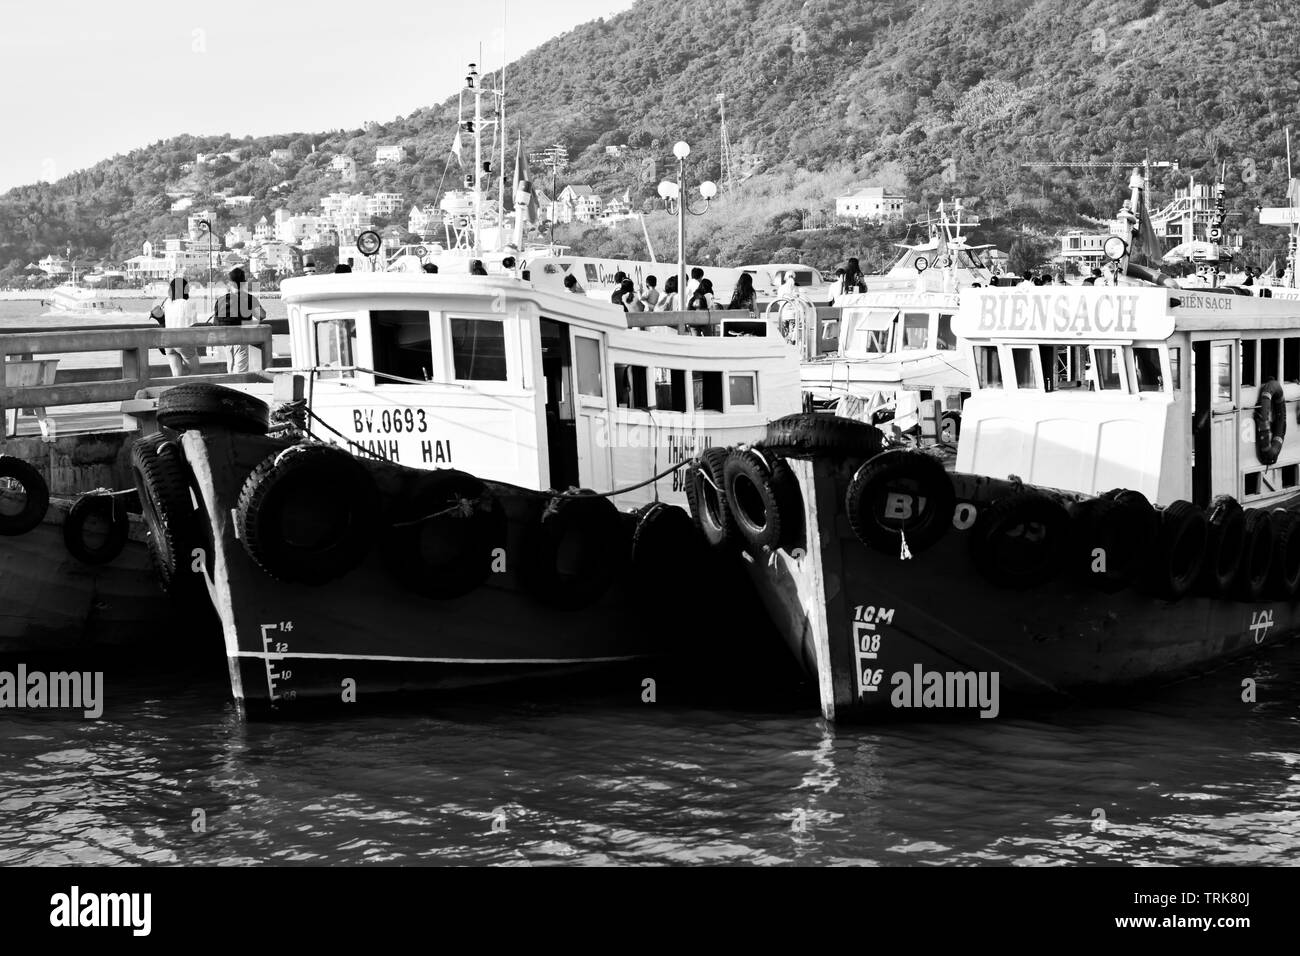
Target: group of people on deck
[{"x": 699, "y": 293}]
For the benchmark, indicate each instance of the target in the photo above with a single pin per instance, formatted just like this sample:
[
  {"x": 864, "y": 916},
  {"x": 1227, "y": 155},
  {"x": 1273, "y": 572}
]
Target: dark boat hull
[
  {"x": 872, "y": 626},
  {"x": 366, "y": 635}
]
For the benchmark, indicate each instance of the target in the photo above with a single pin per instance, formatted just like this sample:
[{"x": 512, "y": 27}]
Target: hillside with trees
[{"x": 936, "y": 99}]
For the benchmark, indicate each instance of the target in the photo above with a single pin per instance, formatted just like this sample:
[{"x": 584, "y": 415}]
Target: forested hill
[{"x": 934, "y": 97}]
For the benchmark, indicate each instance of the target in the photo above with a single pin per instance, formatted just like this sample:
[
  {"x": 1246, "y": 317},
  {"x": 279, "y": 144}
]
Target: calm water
[{"x": 1189, "y": 775}]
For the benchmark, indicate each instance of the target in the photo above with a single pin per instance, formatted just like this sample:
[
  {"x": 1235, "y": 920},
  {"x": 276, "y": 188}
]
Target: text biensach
[{"x": 59, "y": 690}]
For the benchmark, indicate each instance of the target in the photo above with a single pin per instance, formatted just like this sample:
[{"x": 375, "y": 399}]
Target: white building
[
  {"x": 293, "y": 228},
  {"x": 238, "y": 202},
  {"x": 281, "y": 156},
  {"x": 386, "y": 155},
  {"x": 193, "y": 226},
  {"x": 1083, "y": 249},
  {"x": 179, "y": 258},
  {"x": 346, "y": 213},
  {"x": 577, "y": 204},
  {"x": 383, "y": 204},
  {"x": 263, "y": 230},
  {"x": 237, "y": 234},
  {"x": 345, "y": 166},
  {"x": 275, "y": 255},
  {"x": 424, "y": 222},
  {"x": 182, "y": 204},
  {"x": 55, "y": 266},
  {"x": 873, "y": 202}
]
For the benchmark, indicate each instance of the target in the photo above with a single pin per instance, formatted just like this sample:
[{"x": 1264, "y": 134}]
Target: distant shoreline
[{"x": 36, "y": 295}]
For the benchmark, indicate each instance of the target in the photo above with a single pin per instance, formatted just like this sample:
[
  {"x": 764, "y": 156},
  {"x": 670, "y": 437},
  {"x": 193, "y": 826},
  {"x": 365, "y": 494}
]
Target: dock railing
[{"x": 102, "y": 385}]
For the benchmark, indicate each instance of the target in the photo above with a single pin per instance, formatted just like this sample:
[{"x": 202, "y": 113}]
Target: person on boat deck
[
  {"x": 571, "y": 283},
  {"x": 476, "y": 267},
  {"x": 650, "y": 298},
  {"x": 616, "y": 296},
  {"x": 180, "y": 312},
  {"x": 697, "y": 276},
  {"x": 703, "y": 299},
  {"x": 430, "y": 268},
  {"x": 628, "y": 298},
  {"x": 853, "y": 278},
  {"x": 235, "y": 308},
  {"x": 743, "y": 297},
  {"x": 668, "y": 301}
]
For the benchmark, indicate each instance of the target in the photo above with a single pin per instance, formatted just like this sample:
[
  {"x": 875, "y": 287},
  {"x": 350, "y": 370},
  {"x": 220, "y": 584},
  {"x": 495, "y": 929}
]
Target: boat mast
[
  {"x": 501, "y": 132},
  {"x": 472, "y": 82}
]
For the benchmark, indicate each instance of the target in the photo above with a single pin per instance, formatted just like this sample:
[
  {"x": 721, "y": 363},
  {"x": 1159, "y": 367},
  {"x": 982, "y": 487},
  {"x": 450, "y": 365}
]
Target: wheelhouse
[{"x": 1164, "y": 391}]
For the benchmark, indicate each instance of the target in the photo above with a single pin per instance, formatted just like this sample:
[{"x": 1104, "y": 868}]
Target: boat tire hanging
[
  {"x": 37, "y": 493},
  {"x": 814, "y": 436},
  {"x": 109, "y": 509},
  {"x": 764, "y": 499},
  {"x": 308, "y": 514},
  {"x": 442, "y": 536},
  {"x": 162, "y": 481},
  {"x": 1257, "y": 557},
  {"x": 1108, "y": 545},
  {"x": 1270, "y": 422},
  {"x": 668, "y": 552},
  {"x": 199, "y": 405},
  {"x": 1180, "y": 551},
  {"x": 576, "y": 551},
  {"x": 897, "y": 492},
  {"x": 1284, "y": 577},
  {"x": 1225, "y": 541},
  {"x": 707, "y": 495},
  {"x": 1020, "y": 541}
]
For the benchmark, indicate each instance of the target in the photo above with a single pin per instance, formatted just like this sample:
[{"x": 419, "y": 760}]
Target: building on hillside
[
  {"x": 280, "y": 257},
  {"x": 194, "y": 227},
  {"x": 345, "y": 166},
  {"x": 871, "y": 202},
  {"x": 577, "y": 204},
  {"x": 387, "y": 155},
  {"x": 183, "y": 204},
  {"x": 1082, "y": 249},
  {"x": 281, "y": 156},
  {"x": 238, "y": 202},
  {"x": 383, "y": 204},
  {"x": 55, "y": 266},
  {"x": 180, "y": 257},
  {"x": 292, "y": 228},
  {"x": 424, "y": 222},
  {"x": 263, "y": 230},
  {"x": 1188, "y": 215},
  {"x": 237, "y": 234},
  {"x": 615, "y": 150}
]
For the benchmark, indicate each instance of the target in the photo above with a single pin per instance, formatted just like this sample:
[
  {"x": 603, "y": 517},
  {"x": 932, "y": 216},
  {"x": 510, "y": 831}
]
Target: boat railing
[
  {"x": 92, "y": 386},
  {"x": 717, "y": 321}
]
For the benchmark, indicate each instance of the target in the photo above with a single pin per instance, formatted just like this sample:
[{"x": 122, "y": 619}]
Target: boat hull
[
  {"x": 873, "y": 627},
  {"x": 366, "y": 635}
]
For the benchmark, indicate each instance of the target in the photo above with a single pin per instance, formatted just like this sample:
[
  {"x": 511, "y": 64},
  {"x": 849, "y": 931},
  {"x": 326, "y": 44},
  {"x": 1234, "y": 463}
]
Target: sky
[{"x": 88, "y": 79}]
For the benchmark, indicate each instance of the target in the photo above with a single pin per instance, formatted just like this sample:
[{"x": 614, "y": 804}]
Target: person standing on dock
[
  {"x": 180, "y": 312},
  {"x": 235, "y": 308}
]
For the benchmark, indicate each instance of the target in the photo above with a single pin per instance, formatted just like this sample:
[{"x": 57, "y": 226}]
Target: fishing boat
[
  {"x": 1122, "y": 513},
  {"x": 476, "y": 479}
]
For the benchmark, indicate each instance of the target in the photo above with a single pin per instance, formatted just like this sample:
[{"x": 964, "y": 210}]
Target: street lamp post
[{"x": 671, "y": 192}]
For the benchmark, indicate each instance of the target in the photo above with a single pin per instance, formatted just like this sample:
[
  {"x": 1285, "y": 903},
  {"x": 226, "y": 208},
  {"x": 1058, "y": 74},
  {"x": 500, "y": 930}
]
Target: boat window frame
[
  {"x": 1007, "y": 357},
  {"x": 753, "y": 378},
  {"x": 976, "y": 367},
  {"x": 1166, "y": 368},
  {"x": 358, "y": 348},
  {"x": 445, "y": 363},
  {"x": 901, "y": 325},
  {"x": 1125, "y": 370}
]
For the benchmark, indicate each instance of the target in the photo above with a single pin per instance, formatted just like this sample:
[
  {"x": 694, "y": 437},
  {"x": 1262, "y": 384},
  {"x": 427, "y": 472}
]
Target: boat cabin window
[
  {"x": 630, "y": 386},
  {"x": 478, "y": 350},
  {"x": 988, "y": 366},
  {"x": 1176, "y": 367},
  {"x": 336, "y": 345},
  {"x": 590, "y": 377},
  {"x": 742, "y": 392},
  {"x": 1065, "y": 366},
  {"x": 1022, "y": 360},
  {"x": 1249, "y": 349},
  {"x": 1108, "y": 362},
  {"x": 1221, "y": 360},
  {"x": 916, "y": 330},
  {"x": 869, "y": 332},
  {"x": 670, "y": 389},
  {"x": 402, "y": 345},
  {"x": 944, "y": 340},
  {"x": 707, "y": 387},
  {"x": 1270, "y": 359},
  {"x": 1291, "y": 360},
  {"x": 1146, "y": 363}
]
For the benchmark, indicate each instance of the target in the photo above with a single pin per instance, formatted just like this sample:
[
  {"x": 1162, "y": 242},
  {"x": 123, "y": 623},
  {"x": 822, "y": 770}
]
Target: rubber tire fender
[
  {"x": 38, "y": 496},
  {"x": 707, "y": 495},
  {"x": 923, "y": 478},
  {"x": 111, "y": 508},
  {"x": 308, "y": 514},
  {"x": 1270, "y": 422},
  {"x": 1021, "y": 541},
  {"x": 668, "y": 550},
  {"x": 1103, "y": 531},
  {"x": 1179, "y": 552},
  {"x": 763, "y": 506},
  {"x": 814, "y": 436},
  {"x": 1224, "y": 544},
  {"x": 450, "y": 552},
  {"x": 162, "y": 482},
  {"x": 1284, "y": 577},
  {"x": 199, "y": 405},
  {"x": 1257, "y": 558},
  {"x": 589, "y": 530}
]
